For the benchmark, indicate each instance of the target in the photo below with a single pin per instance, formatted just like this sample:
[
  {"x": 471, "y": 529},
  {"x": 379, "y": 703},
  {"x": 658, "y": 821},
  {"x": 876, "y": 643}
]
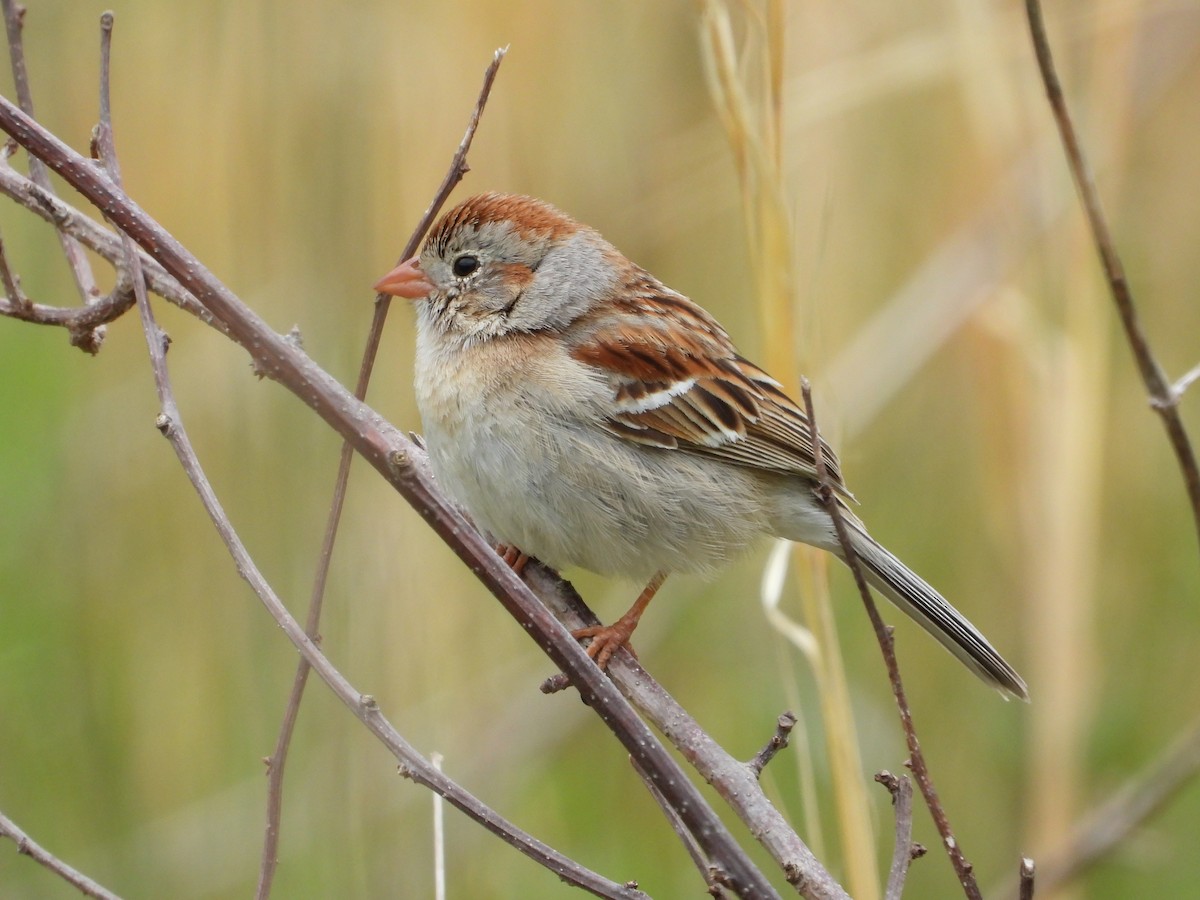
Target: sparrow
[{"x": 582, "y": 411}]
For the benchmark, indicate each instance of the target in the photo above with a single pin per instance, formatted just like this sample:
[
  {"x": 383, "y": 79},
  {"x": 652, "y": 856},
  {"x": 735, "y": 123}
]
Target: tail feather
[{"x": 928, "y": 608}]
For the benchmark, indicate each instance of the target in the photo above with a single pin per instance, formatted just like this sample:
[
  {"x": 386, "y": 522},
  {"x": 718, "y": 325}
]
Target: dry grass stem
[{"x": 747, "y": 90}]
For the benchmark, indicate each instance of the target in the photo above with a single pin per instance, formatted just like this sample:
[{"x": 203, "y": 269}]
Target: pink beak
[{"x": 406, "y": 280}]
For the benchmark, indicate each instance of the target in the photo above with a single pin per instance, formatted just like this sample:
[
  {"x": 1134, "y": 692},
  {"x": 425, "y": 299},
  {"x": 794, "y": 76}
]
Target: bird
[{"x": 588, "y": 415}]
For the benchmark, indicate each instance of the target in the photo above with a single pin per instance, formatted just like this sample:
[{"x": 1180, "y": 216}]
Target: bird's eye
[{"x": 465, "y": 265}]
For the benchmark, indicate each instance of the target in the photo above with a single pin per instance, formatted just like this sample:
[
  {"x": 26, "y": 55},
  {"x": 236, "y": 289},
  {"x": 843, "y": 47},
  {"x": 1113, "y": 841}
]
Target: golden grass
[{"x": 747, "y": 89}]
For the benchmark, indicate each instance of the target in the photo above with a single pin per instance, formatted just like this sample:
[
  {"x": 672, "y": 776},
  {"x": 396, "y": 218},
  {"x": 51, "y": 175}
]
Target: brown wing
[{"x": 679, "y": 384}]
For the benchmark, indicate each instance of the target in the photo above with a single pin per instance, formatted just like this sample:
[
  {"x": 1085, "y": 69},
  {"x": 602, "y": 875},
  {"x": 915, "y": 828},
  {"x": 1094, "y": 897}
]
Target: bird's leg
[
  {"x": 608, "y": 639},
  {"x": 513, "y": 557}
]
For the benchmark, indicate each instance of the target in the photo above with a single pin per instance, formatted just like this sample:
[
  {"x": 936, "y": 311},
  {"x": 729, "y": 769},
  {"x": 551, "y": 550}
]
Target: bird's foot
[
  {"x": 513, "y": 557},
  {"x": 608, "y": 639}
]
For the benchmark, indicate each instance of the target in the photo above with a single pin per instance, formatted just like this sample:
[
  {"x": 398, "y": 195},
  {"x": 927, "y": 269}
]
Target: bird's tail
[{"x": 917, "y": 599}]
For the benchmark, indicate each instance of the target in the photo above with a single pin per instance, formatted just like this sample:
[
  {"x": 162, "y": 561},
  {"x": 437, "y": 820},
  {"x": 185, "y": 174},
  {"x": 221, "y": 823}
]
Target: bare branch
[
  {"x": 1163, "y": 399},
  {"x": 904, "y": 851},
  {"x": 170, "y": 423},
  {"x": 731, "y": 778},
  {"x": 689, "y": 843},
  {"x": 1027, "y": 874},
  {"x": 783, "y": 728},
  {"x": 88, "y": 340},
  {"x": 99, "y": 239},
  {"x": 405, "y": 467},
  {"x": 17, "y": 301},
  {"x": 1140, "y": 799},
  {"x": 27, "y": 846},
  {"x": 76, "y": 319},
  {"x": 278, "y": 760},
  {"x": 883, "y": 633},
  {"x": 80, "y": 321}
]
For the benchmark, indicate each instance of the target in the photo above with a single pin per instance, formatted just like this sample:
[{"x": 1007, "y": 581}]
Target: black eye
[{"x": 465, "y": 265}]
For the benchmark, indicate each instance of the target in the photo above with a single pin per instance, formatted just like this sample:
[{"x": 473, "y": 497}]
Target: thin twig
[
  {"x": 80, "y": 321},
  {"x": 76, "y": 319},
  {"x": 730, "y": 777},
  {"x": 88, "y": 340},
  {"x": 1163, "y": 399},
  {"x": 100, "y": 240},
  {"x": 904, "y": 851},
  {"x": 171, "y": 425},
  {"x": 1027, "y": 873},
  {"x": 405, "y": 467},
  {"x": 883, "y": 633},
  {"x": 17, "y": 301},
  {"x": 277, "y": 761},
  {"x": 685, "y": 837},
  {"x": 783, "y": 728},
  {"x": 1130, "y": 806},
  {"x": 27, "y": 846}
]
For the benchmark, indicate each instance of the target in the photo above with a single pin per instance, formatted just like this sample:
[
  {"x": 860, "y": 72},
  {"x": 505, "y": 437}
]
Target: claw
[
  {"x": 608, "y": 639},
  {"x": 513, "y": 557}
]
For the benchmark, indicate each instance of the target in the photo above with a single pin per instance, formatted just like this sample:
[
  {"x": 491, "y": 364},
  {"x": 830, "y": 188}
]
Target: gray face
[{"x": 491, "y": 280}]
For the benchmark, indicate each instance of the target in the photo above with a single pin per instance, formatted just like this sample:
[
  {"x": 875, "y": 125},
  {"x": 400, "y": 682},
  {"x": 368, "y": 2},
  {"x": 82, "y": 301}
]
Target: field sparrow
[{"x": 584, "y": 412}]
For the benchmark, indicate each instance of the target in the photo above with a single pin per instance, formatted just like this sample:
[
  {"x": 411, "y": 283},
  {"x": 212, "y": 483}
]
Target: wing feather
[{"x": 679, "y": 384}]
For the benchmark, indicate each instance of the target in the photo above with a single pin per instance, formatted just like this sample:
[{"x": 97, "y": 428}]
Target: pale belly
[{"x": 569, "y": 494}]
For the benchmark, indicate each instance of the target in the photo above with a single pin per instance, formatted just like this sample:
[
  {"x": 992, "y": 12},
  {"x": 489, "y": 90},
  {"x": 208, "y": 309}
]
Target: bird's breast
[{"x": 515, "y": 435}]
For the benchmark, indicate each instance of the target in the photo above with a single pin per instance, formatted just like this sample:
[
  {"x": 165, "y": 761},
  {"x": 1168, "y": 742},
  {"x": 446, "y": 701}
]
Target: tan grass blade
[{"x": 747, "y": 91}]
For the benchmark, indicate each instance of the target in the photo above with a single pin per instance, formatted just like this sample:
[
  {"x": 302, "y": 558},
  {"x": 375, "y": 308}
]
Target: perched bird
[{"x": 584, "y": 412}]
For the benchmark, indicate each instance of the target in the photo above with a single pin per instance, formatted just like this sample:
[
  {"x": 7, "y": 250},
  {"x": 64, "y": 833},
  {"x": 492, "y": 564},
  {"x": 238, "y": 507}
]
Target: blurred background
[{"x": 946, "y": 303}]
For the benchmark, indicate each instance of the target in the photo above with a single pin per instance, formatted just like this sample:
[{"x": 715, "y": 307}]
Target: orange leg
[
  {"x": 514, "y": 558},
  {"x": 608, "y": 639}
]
